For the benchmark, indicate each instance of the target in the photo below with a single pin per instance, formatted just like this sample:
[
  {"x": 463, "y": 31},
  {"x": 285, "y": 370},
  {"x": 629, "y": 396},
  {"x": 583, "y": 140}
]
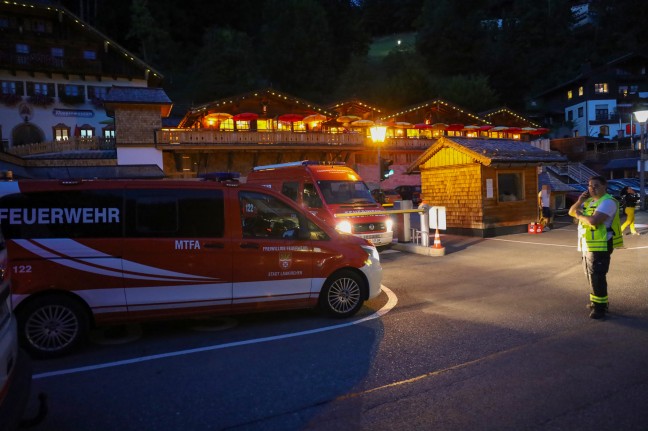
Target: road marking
[
  {"x": 392, "y": 300},
  {"x": 530, "y": 242}
]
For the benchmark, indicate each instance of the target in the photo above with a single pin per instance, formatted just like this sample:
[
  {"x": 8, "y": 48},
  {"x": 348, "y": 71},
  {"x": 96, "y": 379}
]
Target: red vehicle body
[
  {"x": 329, "y": 190},
  {"x": 100, "y": 252}
]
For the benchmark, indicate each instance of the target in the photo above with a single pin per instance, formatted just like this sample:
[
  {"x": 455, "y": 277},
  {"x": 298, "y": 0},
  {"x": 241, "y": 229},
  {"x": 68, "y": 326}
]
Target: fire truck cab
[{"x": 329, "y": 190}]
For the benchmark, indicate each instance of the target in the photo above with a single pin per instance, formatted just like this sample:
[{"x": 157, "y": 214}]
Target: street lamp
[
  {"x": 642, "y": 116},
  {"x": 378, "y": 137}
]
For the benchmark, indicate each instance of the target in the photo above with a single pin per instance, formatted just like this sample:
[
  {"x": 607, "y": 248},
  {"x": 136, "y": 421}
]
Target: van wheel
[
  {"x": 342, "y": 295},
  {"x": 52, "y": 326}
]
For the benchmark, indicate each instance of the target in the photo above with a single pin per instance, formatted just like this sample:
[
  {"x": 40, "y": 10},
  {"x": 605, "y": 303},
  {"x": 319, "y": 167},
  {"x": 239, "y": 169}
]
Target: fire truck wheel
[
  {"x": 342, "y": 295},
  {"x": 52, "y": 325}
]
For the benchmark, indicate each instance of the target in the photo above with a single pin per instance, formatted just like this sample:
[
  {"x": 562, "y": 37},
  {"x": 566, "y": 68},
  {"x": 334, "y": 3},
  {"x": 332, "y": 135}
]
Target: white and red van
[
  {"x": 329, "y": 190},
  {"x": 113, "y": 251},
  {"x": 15, "y": 365}
]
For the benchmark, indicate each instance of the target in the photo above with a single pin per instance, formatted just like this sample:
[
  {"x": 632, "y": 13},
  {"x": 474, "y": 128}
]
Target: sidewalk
[{"x": 456, "y": 242}]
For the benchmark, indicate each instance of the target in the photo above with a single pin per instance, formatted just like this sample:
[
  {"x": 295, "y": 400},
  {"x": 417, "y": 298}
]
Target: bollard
[
  {"x": 425, "y": 224},
  {"x": 403, "y": 231}
]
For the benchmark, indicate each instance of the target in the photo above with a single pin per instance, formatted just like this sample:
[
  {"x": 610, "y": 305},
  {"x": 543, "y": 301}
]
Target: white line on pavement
[{"x": 391, "y": 303}]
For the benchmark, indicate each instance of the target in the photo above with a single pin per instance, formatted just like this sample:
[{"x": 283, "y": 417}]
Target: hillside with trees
[{"x": 476, "y": 53}]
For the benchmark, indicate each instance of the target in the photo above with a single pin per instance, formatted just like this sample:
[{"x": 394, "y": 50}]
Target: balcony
[
  {"x": 75, "y": 147},
  {"x": 214, "y": 139},
  {"x": 48, "y": 64}
]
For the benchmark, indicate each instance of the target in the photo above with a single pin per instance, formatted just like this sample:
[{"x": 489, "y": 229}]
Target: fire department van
[
  {"x": 329, "y": 190},
  {"x": 15, "y": 365},
  {"x": 114, "y": 251}
]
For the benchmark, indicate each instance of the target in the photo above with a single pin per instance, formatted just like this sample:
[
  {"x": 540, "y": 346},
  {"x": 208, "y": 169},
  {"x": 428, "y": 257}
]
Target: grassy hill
[{"x": 381, "y": 46}]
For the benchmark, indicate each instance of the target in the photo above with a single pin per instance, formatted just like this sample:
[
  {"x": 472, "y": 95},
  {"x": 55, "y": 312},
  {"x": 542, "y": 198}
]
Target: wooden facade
[{"x": 488, "y": 187}]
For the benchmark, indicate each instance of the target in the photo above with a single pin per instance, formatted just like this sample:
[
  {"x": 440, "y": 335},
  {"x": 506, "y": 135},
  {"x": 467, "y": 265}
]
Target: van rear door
[{"x": 177, "y": 254}]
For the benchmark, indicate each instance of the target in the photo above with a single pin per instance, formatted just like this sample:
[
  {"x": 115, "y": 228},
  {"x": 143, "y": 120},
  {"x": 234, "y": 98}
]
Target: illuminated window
[
  {"x": 109, "y": 132},
  {"x": 580, "y": 91},
  {"x": 601, "y": 88},
  {"x": 623, "y": 90},
  {"x": 510, "y": 186},
  {"x": 87, "y": 131},
  {"x": 61, "y": 132},
  {"x": 569, "y": 94}
]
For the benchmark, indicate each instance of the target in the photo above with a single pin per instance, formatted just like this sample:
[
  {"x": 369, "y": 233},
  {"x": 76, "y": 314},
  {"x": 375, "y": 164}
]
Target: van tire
[
  {"x": 52, "y": 325},
  {"x": 343, "y": 294}
]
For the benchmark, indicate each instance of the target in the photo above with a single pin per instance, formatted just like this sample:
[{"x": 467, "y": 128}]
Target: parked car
[
  {"x": 386, "y": 197},
  {"x": 410, "y": 193},
  {"x": 15, "y": 365}
]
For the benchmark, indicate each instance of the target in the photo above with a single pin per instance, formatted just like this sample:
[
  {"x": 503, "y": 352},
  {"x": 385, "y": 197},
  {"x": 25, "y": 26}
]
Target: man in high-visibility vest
[{"x": 599, "y": 233}]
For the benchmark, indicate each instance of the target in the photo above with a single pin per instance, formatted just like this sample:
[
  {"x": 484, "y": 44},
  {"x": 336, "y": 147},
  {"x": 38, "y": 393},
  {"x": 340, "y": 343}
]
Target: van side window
[
  {"x": 311, "y": 197},
  {"x": 175, "y": 213},
  {"x": 264, "y": 216},
  {"x": 291, "y": 190},
  {"x": 62, "y": 214}
]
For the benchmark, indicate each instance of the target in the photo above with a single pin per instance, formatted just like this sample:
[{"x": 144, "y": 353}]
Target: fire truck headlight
[
  {"x": 389, "y": 224},
  {"x": 344, "y": 226}
]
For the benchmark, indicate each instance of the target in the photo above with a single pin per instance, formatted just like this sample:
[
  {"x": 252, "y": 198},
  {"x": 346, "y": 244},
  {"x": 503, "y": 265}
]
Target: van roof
[{"x": 302, "y": 163}]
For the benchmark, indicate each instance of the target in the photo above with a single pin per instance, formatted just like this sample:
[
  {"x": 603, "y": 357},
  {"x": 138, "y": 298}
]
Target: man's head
[{"x": 597, "y": 186}]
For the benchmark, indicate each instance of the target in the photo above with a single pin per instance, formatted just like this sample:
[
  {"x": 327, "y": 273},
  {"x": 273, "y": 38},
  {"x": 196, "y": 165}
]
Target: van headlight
[
  {"x": 344, "y": 226},
  {"x": 372, "y": 252},
  {"x": 389, "y": 224}
]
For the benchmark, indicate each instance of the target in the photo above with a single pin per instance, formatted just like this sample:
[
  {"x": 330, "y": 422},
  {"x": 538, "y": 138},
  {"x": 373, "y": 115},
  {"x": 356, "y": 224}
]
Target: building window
[
  {"x": 86, "y": 131},
  {"x": 89, "y": 55},
  {"x": 38, "y": 26},
  {"x": 58, "y": 52},
  {"x": 570, "y": 115},
  {"x": 601, "y": 88},
  {"x": 602, "y": 113},
  {"x": 97, "y": 92},
  {"x": 580, "y": 112},
  {"x": 41, "y": 88},
  {"x": 8, "y": 87},
  {"x": 570, "y": 95},
  {"x": 510, "y": 186},
  {"x": 581, "y": 91},
  {"x": 22, "y": 48},
  {"x": 604, "y": 131},
  {"x": 623, "y": 90},
  {"x": 61, "y": 132},
  {"x": 109, "y": 132},
  {"x": 72, "y": 90}
]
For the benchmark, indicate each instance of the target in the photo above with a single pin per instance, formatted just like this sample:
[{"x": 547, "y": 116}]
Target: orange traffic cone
[{"x": 437, "y": 240}]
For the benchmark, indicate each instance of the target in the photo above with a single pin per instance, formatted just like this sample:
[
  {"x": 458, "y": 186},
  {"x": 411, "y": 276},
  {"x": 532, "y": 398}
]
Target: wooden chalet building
[{"x": 489, "y": 187}]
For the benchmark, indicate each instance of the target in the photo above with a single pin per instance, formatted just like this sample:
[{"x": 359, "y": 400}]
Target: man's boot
[{"x": 598, "y": 311}]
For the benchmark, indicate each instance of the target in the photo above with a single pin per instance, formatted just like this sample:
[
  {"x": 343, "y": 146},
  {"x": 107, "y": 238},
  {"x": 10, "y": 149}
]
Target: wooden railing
[
  {"x": 214, "y": 137},
  {"x": 68, "y": 145}
]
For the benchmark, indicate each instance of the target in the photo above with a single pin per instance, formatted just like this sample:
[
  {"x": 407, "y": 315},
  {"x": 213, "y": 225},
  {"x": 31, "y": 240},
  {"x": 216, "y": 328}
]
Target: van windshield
[{"x": 345, "y": 192}]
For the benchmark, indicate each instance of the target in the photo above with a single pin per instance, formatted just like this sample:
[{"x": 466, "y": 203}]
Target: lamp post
[
  {"x": 642, "y": 116},
  {"x": 378, "y": 137}
]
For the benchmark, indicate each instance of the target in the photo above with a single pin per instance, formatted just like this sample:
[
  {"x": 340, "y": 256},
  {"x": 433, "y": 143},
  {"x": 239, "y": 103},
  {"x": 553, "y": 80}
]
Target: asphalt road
[{"x": 492, "y": 336}]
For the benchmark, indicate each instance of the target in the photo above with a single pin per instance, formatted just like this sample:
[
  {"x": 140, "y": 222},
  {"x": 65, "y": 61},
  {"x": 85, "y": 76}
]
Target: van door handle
[
  {"x": 249, "y": 245},
  {"x": 214, "y": 245}
]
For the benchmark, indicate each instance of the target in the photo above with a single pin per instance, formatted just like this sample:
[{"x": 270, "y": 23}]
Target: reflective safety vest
[{"x": 595, "y": 237}]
